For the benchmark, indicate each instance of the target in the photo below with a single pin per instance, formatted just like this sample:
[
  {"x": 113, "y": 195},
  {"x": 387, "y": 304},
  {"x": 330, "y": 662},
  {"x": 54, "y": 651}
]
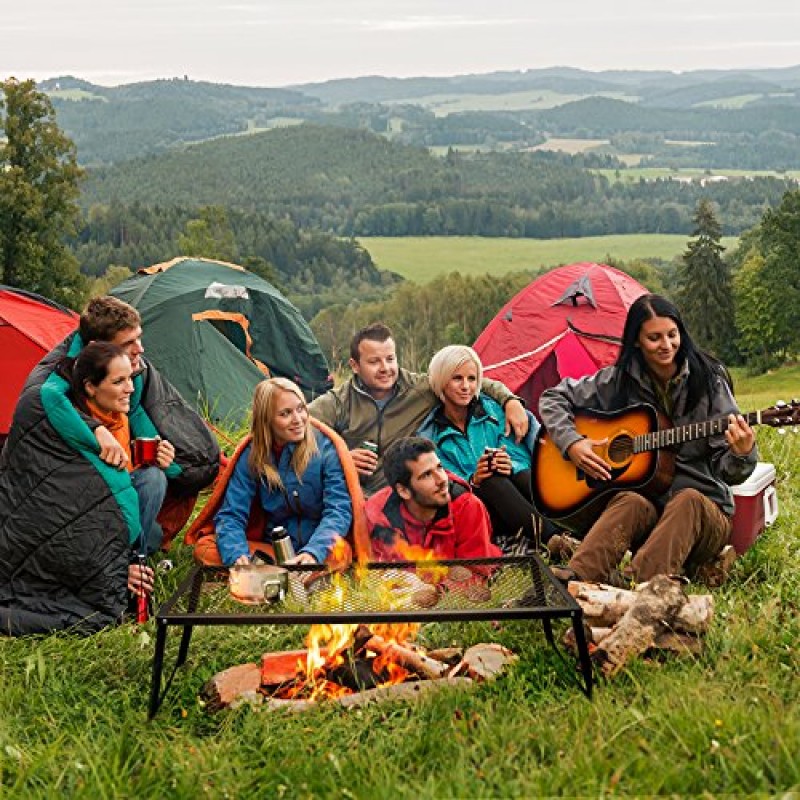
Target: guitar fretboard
[{"x": 687, "y": 433}]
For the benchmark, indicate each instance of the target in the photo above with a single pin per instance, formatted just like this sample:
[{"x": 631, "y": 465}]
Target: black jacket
[{"x": 67, "y": 520}]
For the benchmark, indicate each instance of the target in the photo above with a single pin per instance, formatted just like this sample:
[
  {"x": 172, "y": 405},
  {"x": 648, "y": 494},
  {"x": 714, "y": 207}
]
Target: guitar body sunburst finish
[{"x": 564, "y": 494}]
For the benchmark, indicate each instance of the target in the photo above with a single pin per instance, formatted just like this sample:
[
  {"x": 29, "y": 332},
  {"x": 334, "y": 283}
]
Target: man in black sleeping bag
[{"x": 69, "y": 515}]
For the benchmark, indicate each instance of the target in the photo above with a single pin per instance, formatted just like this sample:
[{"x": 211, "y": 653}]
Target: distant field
[
  {"x": 571, "y": 146},
  {"x": 652, "y": 173},
  {"x": 421, "y": 259},
  {"x": 76, "y": 94},
  {"x": 444, "y": 104}
]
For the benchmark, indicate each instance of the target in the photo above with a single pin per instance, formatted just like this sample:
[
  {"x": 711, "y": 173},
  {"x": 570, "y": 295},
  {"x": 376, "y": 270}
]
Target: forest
[
  {"x": 288, "y": 203},
  {"x": 356, "y": 183}
]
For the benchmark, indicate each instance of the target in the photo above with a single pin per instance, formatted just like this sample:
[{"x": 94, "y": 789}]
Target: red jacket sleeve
[{"x": 473, "y": 529}]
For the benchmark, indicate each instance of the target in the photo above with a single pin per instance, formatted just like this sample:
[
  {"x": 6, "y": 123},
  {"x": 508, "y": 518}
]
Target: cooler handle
[{"x": 770, "y": 505}]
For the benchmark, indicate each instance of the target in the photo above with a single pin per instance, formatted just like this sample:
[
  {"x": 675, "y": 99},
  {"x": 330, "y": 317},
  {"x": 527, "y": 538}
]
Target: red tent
[
  {"x": 30, "y": 326},
  {"x": 566, "y": 323}
]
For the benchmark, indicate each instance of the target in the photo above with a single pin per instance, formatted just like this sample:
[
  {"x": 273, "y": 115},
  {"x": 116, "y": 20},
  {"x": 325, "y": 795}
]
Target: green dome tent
[{"x": 215, "y": 330}]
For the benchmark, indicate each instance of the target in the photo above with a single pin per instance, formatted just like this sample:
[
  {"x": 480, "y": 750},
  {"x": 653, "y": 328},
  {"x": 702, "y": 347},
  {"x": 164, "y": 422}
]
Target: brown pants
[{"x": 691, "y": 531}]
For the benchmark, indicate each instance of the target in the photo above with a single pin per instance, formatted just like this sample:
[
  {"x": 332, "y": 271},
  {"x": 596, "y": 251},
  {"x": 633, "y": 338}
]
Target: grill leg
[
  {"x": 194, "y": 599},
  {"x": 158, "y": 667},
  {"x": 583, "y": 652}
]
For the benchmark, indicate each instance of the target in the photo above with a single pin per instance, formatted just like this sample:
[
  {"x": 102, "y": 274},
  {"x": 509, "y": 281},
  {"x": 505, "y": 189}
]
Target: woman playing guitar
[{"x": 686, "y": 524}]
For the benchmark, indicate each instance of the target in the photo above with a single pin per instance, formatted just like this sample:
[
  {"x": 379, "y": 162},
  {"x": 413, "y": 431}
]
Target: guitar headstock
[{"x": 781, "y": 415}]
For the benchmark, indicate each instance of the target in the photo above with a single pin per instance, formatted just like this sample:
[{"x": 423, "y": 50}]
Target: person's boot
[
  {"x": 714, "y": 573},
  {"x": 562, "y": 546}
]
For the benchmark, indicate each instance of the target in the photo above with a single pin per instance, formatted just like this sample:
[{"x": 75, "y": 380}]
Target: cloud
[{"x": 435, "y": 23}]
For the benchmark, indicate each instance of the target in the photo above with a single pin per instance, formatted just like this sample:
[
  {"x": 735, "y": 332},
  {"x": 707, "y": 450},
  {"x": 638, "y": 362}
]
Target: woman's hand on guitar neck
[
  {"x": 739, "y": 435},
  {"x": 582, "y": 454}
]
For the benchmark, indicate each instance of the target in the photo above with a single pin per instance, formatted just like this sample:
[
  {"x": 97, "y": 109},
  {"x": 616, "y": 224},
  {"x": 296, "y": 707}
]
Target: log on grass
[
  {"x": 487, "y": 660},
  {"x": 603, "y": 606},
  {"x": 232, "y": 683},
  {"x": 652, "y": 613},
  {"x": 401, "y": 691},
  {"x": 411, "y": 690},
  {"x": 669, "y": 641}
]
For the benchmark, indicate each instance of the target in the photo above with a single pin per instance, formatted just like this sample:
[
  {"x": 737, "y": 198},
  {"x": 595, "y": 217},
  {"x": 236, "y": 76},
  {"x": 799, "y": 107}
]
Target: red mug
[{"x": 145, "y": 451}]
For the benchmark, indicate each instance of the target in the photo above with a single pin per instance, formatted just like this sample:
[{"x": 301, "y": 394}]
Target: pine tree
[
  {"x": 39, "y": 178},
  {"x": 779, "y": 235},
  {"x": 705, "y": 291}
]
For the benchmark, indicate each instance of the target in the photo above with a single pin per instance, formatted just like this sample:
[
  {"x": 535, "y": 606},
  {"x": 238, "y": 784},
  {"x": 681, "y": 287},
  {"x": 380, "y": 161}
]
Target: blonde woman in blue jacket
[{"x": 467, "y": 428}]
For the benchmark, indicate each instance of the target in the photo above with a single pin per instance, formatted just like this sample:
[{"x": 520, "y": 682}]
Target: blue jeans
[{"x": 151, "y": 486}]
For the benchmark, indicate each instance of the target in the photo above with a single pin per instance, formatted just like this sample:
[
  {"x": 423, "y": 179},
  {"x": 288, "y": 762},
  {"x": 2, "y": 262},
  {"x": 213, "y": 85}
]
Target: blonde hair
[
  {"x": 261, "y": 460},
  {"x": 446, "y": 362}
]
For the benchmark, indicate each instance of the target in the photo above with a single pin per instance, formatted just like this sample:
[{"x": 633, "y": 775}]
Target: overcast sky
[{"x": 281, "y": 42}]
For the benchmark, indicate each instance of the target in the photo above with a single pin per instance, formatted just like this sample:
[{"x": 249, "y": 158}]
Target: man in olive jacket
[{"x": 382, "y": 403}]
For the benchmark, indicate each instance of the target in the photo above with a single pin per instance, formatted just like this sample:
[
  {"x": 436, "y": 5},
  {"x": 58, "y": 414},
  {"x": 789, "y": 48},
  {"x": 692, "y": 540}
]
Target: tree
[
  {"x": 39, "y": 178},
  {"x": 779, "y": 239},
  {"x": 705, "y": 292},
  {"x": 759, "y": 337},
  {"x": 210, "y": 236}
]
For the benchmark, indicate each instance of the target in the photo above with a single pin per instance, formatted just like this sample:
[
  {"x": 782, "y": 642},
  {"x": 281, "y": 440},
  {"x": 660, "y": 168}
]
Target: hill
[
  {"x": 353, "y": 182},
  {"x": 124, "y": 122},
  {"x": 492, "y": 111}
]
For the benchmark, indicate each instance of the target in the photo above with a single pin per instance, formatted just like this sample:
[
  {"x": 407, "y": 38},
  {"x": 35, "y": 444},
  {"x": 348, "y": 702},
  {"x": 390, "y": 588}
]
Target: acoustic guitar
[{"x": 640, "y": 451}]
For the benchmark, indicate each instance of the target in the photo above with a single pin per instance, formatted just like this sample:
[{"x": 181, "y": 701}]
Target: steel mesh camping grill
[{"x": 515, "y": 588}]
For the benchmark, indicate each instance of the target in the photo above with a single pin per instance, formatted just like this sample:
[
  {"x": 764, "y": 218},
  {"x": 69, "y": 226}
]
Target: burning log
[
  {"x": 416, "y": 662},
  {"x": 603, "y": 606}
]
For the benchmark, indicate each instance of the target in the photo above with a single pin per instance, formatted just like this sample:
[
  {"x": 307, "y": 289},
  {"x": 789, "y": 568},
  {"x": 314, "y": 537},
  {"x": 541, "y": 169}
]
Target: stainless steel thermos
[{"x": 282, "y": 544}]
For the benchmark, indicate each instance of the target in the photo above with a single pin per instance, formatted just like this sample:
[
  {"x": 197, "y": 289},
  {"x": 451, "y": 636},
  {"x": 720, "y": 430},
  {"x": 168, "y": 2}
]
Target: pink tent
[{"x": 566, "y": 323}]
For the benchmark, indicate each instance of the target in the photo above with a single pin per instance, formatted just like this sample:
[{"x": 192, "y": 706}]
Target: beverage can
[{"x": 371, "y": 446}]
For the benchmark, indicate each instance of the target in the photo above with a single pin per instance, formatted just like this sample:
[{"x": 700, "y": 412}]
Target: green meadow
[
  {"x": 423, "y": 258},
  {"x": 634, "y": 173}
]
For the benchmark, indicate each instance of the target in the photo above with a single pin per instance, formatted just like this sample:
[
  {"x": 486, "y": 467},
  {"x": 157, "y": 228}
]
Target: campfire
[
  {"x": 344, "y": 659},
  {"x": 347, "y": 662}
]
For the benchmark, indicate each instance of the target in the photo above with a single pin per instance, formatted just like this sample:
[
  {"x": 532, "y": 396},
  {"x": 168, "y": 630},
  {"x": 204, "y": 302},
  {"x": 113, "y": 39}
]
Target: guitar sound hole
[{"x": 620, "y": 449}]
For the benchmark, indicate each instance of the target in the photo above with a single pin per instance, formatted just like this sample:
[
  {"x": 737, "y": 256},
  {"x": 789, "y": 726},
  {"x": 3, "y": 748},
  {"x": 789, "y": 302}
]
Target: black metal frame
[{"x": 190, "y": 588}]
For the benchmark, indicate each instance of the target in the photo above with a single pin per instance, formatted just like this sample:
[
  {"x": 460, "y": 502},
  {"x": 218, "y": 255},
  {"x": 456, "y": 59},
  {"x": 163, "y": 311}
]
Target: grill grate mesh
[{"x": 429, "y": 589}]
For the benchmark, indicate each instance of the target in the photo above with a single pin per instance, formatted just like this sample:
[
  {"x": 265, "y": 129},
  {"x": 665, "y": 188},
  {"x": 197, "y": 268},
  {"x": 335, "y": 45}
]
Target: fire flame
[
  {"x": 432, "y": 572},
  {"x": 327, "y": 644}
]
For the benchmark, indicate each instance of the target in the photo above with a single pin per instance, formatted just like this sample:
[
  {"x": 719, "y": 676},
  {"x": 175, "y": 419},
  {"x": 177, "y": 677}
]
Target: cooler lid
[{"x": 763, "y": 475}]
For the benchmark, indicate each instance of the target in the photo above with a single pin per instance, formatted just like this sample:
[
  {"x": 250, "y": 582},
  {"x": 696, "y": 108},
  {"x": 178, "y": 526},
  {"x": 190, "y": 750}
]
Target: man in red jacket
[{"x": 425, "y": 506}]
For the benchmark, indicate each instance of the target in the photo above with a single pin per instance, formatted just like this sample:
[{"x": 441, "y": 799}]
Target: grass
[
  {"x": 423, "y": 258},
  {"x": 72, "y": 711}
]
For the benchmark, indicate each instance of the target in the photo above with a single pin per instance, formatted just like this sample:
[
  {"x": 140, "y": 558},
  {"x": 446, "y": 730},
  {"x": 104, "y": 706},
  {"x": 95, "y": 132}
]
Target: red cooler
[{"x": 756, "y": 506}]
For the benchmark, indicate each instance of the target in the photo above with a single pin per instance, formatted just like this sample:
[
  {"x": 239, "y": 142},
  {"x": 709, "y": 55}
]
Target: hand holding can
[{"x": 365, "y": 457}]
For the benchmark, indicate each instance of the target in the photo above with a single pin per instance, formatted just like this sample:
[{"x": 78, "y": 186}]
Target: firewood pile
[
  {"x": 621, "y": 624},
  {"x": 373, "y": 668}
]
